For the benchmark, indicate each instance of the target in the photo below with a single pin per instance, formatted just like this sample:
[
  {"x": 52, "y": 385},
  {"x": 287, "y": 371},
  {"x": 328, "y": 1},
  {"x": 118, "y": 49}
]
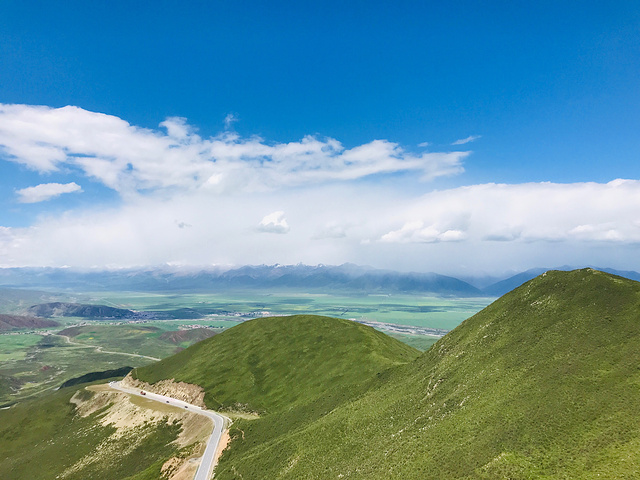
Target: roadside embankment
[{"x": 186, "y": 392}]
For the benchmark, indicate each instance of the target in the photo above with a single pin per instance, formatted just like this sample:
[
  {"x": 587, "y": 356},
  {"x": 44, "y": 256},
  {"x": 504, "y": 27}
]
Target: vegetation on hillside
[
  {"x": 269, "y": 364},
  {"x": 187, "y": 337},
  {"x": 42, "y": 438},
  {"x": 292, "y": 370},
  {"x": 95, "y": 376},
  {"x": 543, "y": 383},
  {"x": 64, "y": 309}
]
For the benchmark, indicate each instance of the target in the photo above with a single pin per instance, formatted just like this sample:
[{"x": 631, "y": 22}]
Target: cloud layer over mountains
[{"x": 193, "y": 200}]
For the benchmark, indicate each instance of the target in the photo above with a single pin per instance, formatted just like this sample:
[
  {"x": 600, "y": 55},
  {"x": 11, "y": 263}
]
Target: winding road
[
  {"x": 100, "y": 349},
  {"x": 207, "y": 463}
]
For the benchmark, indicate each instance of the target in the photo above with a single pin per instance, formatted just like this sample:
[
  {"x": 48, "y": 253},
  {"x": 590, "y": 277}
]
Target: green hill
[
  {"x": 543, "y": 383},
  {"x": 292, "y": 370},
  {"x": 271, "y": 364}
]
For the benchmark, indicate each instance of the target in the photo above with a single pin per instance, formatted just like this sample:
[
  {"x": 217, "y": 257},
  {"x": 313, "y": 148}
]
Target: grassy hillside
[
  {"x": 543, "y": 383},
  {"x": 42, "y": 438},
  {"x": 184, "y": 338},
  {"x": 271, "y": 364},
  {"x": 292, "y": 370}
]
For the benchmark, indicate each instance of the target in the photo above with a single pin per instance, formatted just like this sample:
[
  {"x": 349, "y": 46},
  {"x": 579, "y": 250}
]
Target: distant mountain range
[
  {"x": 328, "y": 278},
  {"x": 347, "y": 277}
]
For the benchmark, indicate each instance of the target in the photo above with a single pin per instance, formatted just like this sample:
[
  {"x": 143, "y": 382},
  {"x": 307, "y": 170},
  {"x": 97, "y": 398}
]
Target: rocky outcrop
[{"x": 187, "y": 392}]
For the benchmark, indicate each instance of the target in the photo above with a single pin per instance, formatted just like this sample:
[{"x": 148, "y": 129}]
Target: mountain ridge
[
  {"x": 347, "y": 277},
  {"x": 543, "y": 383}
]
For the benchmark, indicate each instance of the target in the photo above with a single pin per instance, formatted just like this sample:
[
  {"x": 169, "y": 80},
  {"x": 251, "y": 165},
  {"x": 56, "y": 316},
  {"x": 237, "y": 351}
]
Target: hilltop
[
  {"x": 289, "y": 370},
  {"x": 64, "y": 309},
  {"x": 543, "y": 383},
  {"x": 269, "y": 364},
  {"x": 16, "y": 322},
  {"x": 499, "y": 288}
]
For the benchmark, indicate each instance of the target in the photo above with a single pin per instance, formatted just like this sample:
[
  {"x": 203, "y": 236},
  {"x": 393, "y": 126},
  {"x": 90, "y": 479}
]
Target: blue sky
[{"x": 543, "y": 91}]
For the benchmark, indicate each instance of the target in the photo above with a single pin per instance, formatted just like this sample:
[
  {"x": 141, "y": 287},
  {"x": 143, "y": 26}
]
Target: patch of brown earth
[
  {"x": 130, "y": 411},
  {"x": 187, "y": 392},
  {"x": 180, "y": 471},
  {"x": 224, "y": 443},
  {"x": 70, "y": 331},
  {"x": 12, "y": 322},
  {"x": 127, "y": 412},
  {"x": 196, "y": 428}
]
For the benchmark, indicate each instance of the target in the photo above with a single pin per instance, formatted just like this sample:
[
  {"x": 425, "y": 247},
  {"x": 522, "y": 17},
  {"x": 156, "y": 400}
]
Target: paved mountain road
[{"x": 208, "y": 459}]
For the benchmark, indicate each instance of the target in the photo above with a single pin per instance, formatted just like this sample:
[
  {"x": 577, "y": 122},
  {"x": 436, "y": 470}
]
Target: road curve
[
  {"x": 99, "y": 349},
  {"x": 207, "y": 463}
]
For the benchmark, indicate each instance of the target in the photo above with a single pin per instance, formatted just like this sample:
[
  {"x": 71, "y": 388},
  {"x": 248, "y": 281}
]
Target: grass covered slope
[
  {"x": 543, "y": 383},
  {"x": 45, "y": 438},
  {"x": 271, "y": 364}
]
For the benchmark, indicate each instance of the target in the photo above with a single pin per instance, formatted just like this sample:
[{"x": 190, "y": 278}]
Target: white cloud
[
  {"x": 503, "y": 234},
  {"x": 417, "y": 232},
  {"x": 604, "y": 232},
  {"x": 130, "y": 159},
  {"x": 449, "y": 230},
  {"x": 331, "y": 230},
  {"x": 46, "y": 191},
  {"x": 274, "y": 223},
  {"x": 178, "y": 129},
  {"x": 529, "y": 212},
  {"x": 229, "y": 120},
  {"x": 469, "y": 139},
  {"x": 192, "y": 200}
]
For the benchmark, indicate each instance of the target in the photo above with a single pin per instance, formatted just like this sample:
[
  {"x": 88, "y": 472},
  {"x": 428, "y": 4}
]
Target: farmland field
[
  {"x": 415, "y": 310},
  {"x": 38, "y": 361}
]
